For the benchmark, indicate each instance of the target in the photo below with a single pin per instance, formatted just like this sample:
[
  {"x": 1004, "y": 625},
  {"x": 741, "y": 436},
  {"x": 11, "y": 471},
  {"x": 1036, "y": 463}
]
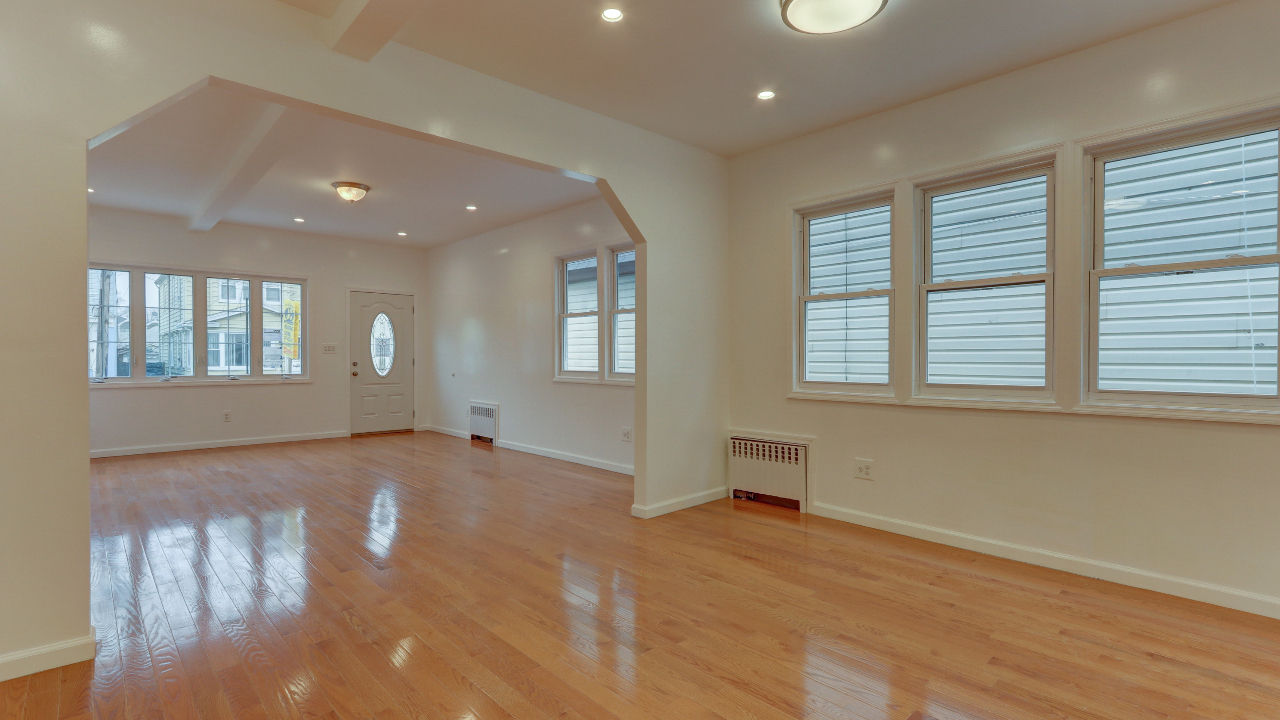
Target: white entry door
[{"x": 381, "y": 362}]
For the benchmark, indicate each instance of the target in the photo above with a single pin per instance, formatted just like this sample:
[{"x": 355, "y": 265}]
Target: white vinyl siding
[
  {"x": 624, "y": 312},
  {"x": 847, "y": 341},
  {"x": 1187, "y": 270},
  {"x": 985, "y": 300},
  {"x": 987, "y": 336},
  {"x": 845, "y": 309},
  {"x": 849, "y": 252}
]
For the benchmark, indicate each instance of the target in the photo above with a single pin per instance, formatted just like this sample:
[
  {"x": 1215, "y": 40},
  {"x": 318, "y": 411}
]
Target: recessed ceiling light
[
  {"x": 90, "y": 189},
  {"x": 765, "y": 95},
  {"x": 822, "y": 17},
  {"x": 299, "y": 220},
  {"x": 471, "y": 207},
  {"x": 612, "y": 15},
  {"x": 402, "y": 234}
]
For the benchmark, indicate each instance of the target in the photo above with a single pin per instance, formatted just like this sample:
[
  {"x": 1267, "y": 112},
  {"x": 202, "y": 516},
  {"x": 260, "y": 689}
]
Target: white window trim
[
  {"x": 801, "y": 387},
  {"x": 1202, "y": 406},
  {"x": 137, "y": 335},
  {"x": 611, "y": 376},
  {"x": 562, "y": 289},
  {"x": 999, "y": 393}
]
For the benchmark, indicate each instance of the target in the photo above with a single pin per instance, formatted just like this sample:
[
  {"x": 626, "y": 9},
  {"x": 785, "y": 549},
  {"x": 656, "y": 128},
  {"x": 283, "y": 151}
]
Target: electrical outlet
[
  {"x": 226, "y": 416},
  {"x": 626, "y": 434},
  {"x": 864, "y": 469}
]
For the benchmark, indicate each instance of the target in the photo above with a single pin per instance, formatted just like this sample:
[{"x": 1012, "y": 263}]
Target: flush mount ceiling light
[
  {"x": 471, "y": 207},
  {"x": 350, "y": 191},
  {"x": 822, "y": 17},
  {"x": 299, "y": 220},
  {"x": 612, "y": 15},
  {"x": 765, "y": 95}
]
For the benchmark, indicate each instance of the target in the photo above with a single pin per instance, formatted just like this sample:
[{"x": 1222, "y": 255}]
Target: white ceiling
[
  {"x": 217, "y": 155},
  {"x": 690, "y": 69}
]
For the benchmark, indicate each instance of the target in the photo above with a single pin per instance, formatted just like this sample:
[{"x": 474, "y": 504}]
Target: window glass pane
[
  {"x": 170, "y": 313},
  {"x": 581, "y": 352},
  {"x": 1204, "y": 202},
  {"x": 847, "y": 340},
  {"x": 580, "y": 286},
  {"x": 282, "y": 343},
  {"x": 227, "y": 326},
  {"x": 626, "y": 267},
  {"x": 1210, "y": 331},
  {"x": 987, "y": 336},
  {"x": 850, "y": 252},
  {"x": 109, "y": 352},
  {"x": 382, "y": 344},
  {"x": 624, "y": 343},
  {"x": 992, "y": 231}
]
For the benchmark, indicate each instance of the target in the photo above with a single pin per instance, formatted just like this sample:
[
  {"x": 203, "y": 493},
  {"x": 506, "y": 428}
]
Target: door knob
[{"x": 354, "y": 374}]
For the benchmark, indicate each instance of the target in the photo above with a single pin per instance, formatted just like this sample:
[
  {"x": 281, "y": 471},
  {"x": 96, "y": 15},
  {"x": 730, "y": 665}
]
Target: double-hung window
[
  {"x": 987, "y": 290},
  {"x": 193, "y": 326},
  {"x": 1186, "y": 274},
  {"x": 580, "y": 318},
  {"x": 847, "y": 297},
  {"x": 623, "y": 327}
]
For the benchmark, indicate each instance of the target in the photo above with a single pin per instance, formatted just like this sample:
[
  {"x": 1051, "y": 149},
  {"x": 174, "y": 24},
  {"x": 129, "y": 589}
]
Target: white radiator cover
[
  {"x": 769, "y": 467},
  {"x": 484, "y": 420}
]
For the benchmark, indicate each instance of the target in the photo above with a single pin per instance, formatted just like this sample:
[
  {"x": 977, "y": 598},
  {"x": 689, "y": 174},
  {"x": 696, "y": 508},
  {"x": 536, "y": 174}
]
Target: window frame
[
  {"x": 200, "y": 335},
  {"x": 1095, "y": 253},
  {"x": 924, "y": 285},
  {"x": 562, "y": 300},
  {"x": 886, "y": 390},
  {"x": 611, "y": 375}
]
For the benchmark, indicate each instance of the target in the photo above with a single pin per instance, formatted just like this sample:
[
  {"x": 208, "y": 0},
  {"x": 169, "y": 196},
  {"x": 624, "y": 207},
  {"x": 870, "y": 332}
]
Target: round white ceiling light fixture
[
  {"x": 823, "y": 17},
  {"x": 471, "y": 207},
  {"x": 299, "y": 220},
  {"x": 612, "y": 15},
  {"x": 765, "y": 95},
  {"x": 350, "y": 191}
]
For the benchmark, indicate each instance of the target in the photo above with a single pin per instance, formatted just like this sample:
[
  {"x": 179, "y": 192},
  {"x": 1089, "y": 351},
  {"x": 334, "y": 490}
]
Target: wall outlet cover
[{"x": 864, "y": 469}]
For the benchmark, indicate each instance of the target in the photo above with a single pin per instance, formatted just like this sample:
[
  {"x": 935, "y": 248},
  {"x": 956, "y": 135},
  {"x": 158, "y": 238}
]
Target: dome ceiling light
[
  {"x": 351, "y": 192},
  {"x": 823, "y": 17}
]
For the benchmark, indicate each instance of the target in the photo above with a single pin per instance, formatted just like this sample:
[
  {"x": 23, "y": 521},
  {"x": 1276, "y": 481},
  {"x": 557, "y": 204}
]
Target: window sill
[
  {"x": 1237, "y": 414},
  {"x": 211, "y": 382},
  {"x": 594, "y": 381}
]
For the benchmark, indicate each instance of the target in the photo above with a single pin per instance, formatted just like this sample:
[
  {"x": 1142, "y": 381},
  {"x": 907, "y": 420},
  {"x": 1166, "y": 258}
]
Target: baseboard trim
[
  {"x": 645, "y": 512},
  {"x": 47, "y": 657},
  {"x": 567, "y": 457},
  {"x": 205, "y": 445},
  {"x": 1135, "y": 577},
  {"x": 444, "y": 431}
]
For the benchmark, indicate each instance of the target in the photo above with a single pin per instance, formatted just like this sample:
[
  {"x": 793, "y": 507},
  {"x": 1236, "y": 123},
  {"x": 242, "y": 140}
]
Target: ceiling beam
[
  {"x": 259, "y": 150},
  {"x": 361, "y": 28}
]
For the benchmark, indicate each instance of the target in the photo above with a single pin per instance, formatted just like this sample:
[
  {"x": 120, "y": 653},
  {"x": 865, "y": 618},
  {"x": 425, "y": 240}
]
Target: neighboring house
[{"x": 108, "y": 324}]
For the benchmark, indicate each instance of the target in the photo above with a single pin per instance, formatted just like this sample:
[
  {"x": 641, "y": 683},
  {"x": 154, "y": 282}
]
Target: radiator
[
  {"x": 484, "y": 421},
  {"x": 767, "y": 467}
]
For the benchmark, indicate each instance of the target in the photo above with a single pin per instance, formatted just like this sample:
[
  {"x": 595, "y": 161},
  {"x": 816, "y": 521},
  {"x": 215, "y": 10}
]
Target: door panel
[{"x": 381, "y": 362}]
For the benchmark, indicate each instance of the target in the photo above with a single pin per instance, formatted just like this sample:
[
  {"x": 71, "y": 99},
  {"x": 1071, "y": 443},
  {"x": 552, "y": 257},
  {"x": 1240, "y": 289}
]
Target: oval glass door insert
[{"x": 382, "y": 344}]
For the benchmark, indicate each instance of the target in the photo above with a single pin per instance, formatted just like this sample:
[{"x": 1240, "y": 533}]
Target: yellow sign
[{"x": 291, "y": 328}]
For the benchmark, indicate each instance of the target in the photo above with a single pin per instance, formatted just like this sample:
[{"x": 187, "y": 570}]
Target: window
[
  {"x": 624, "y": 312},
  {"x": 1186, "y": 273},
  {"x": 580, "y": 317},
  {"x": 987, "y": 284},
  {"x": 109, "y": 301},
  {"x": 847, "y": 295},
  {"x": 170, "y": 314},
  {"x": 227, "y": 326},
  {"x": 175, "y": 346},
  {"x": 282, "y": 345}
]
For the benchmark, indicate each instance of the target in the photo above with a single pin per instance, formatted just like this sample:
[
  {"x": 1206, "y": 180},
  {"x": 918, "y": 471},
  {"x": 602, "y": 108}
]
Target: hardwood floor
[{"x": 418, "y": 576}]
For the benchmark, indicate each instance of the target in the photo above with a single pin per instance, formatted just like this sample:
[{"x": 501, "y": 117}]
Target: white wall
[
  {"x": 491, "y": 310},
  {"x": 1186, "y": 507},
  {"x": 69, "y": 71},
  {"x": 155, "y": 418}
]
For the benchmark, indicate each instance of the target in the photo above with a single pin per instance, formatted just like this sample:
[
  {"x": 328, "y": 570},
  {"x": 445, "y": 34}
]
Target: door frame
[{"x": 346, "y": 352}]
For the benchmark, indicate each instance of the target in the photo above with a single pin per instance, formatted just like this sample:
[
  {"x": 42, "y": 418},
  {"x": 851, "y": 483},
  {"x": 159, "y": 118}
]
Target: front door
[{"x": 381, "y": 362}]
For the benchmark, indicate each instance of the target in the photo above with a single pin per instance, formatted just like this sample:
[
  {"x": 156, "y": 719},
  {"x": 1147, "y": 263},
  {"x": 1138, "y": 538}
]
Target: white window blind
[
  {"x": 1187, "y": 284},
  {"x": 986, "y": 298},
  {"x": 580, "y": 321},
  {"x": 847, "y": 304}
]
